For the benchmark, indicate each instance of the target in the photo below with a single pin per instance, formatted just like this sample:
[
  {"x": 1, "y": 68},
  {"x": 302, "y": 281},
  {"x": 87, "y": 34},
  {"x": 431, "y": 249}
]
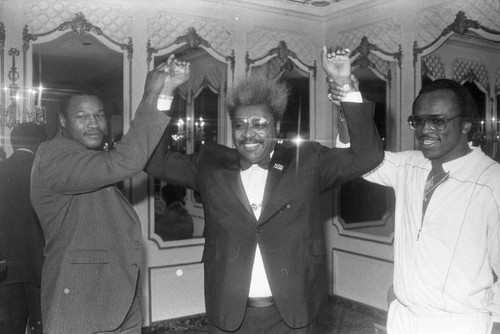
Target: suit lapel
[
  {"x": 231, "y": 170},
  {"x": 281, "y": 160}
]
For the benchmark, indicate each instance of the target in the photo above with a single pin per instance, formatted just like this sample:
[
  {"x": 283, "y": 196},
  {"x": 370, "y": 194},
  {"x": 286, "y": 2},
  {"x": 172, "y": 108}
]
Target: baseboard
[{"x": 379, "y": 314}]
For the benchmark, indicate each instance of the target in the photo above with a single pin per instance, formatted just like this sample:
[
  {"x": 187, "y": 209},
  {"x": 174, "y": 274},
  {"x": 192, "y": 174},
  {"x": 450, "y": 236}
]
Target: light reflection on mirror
[
  {"x": 196, "y": 120},
  {"x": 75, "y": 63}
]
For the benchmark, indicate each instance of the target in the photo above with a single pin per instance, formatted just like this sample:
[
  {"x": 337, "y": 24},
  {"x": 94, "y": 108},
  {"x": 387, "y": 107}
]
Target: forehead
[
  {"x": 437, "y": 102},
  {"x": 257, "y": 111},
  {"x": 88, "y": 103}
]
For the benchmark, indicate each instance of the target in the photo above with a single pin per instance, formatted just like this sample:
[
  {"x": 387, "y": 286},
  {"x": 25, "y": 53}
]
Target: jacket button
[
  {"x": 258, "y": 229},
  {"x": 66, "y": 291}
]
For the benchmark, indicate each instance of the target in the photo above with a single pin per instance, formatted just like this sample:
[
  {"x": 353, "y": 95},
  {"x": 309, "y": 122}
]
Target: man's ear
[
  {"x": 466, "y": 126},
  {"x": 62, "y": 121},
  {"x": 278, "y": 126}
]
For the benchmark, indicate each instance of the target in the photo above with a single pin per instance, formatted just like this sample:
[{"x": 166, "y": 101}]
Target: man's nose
[
  {"x": 93, "y": 122},
  {"x": 249, "y": 132},
  {"x": 427, "y": 128}
]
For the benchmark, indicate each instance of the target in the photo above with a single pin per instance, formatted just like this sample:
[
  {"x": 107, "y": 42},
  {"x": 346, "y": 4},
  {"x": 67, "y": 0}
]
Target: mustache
[
  {"x": 425, "y": 137},
  {"x": 94, "y": 132}
]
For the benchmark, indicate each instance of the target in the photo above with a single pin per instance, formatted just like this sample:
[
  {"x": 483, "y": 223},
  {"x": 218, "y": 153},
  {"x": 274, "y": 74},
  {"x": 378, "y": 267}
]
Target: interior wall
[{"x": 172, "y": 281}]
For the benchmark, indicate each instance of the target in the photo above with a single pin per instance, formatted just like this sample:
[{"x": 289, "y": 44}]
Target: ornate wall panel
[
  {"x": 386, "y": 35},
  {"x": 464, "y": 69},
  {"x": 203, "y": 77},
  {"x": 431, "y": 22},
  {"x": 163, "y": 29},
  {"x": 260, "y": 41},
  {"x": 46, "y": 15},
  {"x": 433, "y": 66}
]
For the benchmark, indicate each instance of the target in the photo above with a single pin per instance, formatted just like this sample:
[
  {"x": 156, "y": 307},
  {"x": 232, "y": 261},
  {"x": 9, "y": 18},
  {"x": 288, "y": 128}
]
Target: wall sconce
[
  {"x": 11, "y": 116},
  {"x": 185, "y": 133},
  {"x": 487, "y": 138}
]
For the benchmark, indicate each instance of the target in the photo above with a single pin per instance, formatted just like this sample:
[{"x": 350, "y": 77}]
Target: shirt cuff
[
  {"x": 354, "y": 97},
  {"x": 340, "y": 144},
  {"x": 164, "y": 102}
]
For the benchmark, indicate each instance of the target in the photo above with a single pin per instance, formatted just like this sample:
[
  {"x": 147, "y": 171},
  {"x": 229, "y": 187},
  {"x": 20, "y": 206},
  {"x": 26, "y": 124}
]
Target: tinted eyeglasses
[
  {"x": 436, "y": 122},
  {"x": 258, "y": 124}
]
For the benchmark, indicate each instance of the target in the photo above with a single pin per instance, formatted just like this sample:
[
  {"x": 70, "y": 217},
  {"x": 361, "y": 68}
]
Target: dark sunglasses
[
  {"x": 258, "y": 124},
  {"x": 436, "y": 122}
]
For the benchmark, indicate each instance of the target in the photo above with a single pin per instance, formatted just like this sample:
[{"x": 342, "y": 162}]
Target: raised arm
[{"x": 356, "y": 121}]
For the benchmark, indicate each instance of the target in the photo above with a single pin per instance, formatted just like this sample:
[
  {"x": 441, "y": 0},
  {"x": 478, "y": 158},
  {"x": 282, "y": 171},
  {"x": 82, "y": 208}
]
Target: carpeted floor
[{"x": 340, "y": 317}]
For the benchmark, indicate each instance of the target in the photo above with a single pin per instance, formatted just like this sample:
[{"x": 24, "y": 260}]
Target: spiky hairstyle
[{"x": 259, "y": 90}]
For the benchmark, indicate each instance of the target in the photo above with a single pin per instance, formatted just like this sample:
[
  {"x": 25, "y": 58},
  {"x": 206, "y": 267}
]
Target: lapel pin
[{"x": 278, "y": 166}]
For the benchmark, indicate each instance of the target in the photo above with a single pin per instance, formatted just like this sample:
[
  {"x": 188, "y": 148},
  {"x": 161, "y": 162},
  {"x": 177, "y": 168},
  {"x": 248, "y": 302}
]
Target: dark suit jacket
[
  {"x": 93, "y": 235},
  {"x": 21, "y": 237},
  {"x": 289, "y": 231}
]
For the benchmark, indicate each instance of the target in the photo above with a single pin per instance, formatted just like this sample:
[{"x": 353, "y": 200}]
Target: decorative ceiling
[{"x": 315, "y": 3}]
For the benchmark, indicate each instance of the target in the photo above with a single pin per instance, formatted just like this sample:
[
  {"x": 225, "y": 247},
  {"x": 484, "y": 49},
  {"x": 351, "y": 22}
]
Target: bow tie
[{"x": 264, "y": 163}]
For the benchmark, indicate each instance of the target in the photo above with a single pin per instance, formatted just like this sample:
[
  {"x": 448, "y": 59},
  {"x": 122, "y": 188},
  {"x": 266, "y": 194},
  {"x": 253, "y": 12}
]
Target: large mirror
[
  {"x": 77, "y": 57},
  {"x": 198, "y": 117},
  {"x": 282, "y": 64},
  {"x": 468, "y": 53},
  {"x": 366, "y": 210}
]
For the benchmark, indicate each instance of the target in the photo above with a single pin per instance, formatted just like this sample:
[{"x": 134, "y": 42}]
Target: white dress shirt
[{"x": 254, "y": 181}]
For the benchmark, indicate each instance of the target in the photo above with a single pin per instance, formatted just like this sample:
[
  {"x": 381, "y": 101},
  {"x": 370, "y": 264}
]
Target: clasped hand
[
  {"x": 337, "y": 66},
  {"x": 166, "y": 77}
]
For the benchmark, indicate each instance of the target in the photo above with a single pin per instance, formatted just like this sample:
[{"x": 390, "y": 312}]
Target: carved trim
[
  {"x": 193, "y": 41},
  {"x": 460, "y": 25},
  {"x": 365, "y": 47},
  {"x": 282, "y": 52},
  {"x": 79, "y": 25}
]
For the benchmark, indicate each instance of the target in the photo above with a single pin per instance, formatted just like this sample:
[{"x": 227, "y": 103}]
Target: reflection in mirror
[
  {"x": 73, "y": 64},
  {"x": 198, "y": 118},
  {"x": 362, "y": 201},
  {"x": 365, "y": 210},
  {"x": 466, "y": 52}
]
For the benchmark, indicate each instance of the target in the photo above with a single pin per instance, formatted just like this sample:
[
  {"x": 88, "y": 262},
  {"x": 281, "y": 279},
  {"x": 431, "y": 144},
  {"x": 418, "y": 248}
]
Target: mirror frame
[
  {"x": 283, "y": 53},
  {"x": 192, "y": 40},
  {"x": 360, "y": 58},
  {"x": 460, "y": 25},
  {"x": 80, "y": 26}
]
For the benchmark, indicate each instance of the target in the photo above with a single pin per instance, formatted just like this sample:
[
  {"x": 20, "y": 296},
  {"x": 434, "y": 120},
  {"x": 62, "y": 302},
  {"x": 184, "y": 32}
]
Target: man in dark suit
[
  {"x": 21, "y": 237},
  {"x": 264, "y": 255},
  {"x": 93, "y": 235}
]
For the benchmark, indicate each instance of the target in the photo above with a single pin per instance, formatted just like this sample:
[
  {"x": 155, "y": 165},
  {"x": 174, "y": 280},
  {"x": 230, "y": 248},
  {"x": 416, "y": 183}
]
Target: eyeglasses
[
  {"x": 436, "y": 122},
  {"x": 258, "y": 124}
]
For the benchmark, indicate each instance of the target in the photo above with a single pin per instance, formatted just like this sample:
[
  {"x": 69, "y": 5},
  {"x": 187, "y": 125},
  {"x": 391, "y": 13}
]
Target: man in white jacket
[{"x": 447, "y": 218}]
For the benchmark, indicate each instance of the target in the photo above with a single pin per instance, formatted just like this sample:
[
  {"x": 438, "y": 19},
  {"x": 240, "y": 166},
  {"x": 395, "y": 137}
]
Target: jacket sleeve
[
  {"x": 341, "y": 165},
  {"x": 173, "y": 167},
  {"x": 67, "y": 167}
]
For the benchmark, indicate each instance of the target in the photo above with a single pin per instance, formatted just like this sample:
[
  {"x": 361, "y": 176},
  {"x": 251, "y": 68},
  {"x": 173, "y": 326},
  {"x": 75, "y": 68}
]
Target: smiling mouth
[
  {"x": 94, "y": 135},
  {"x": 428, "y": 141}
]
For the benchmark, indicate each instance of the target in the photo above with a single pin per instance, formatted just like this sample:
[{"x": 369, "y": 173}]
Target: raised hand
[
  {"x": 165, "y": 78},
  {"x": 336, "y": 64},
  {"x": 178, "y": 73}
]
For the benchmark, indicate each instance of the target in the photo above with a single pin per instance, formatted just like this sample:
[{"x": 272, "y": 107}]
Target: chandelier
[{"x": 12, "y": 114}]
